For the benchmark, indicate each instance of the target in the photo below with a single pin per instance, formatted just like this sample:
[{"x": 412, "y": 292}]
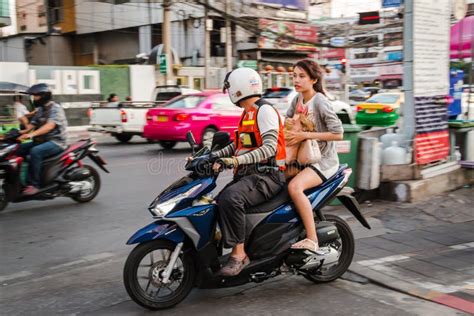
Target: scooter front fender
[{"x": 158, "y": 230}]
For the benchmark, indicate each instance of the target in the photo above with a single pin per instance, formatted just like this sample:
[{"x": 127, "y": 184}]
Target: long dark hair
[{"x": 314, "y": 71}]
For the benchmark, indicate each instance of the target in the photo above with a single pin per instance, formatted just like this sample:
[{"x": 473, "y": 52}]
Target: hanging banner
[
  {"x": 431, "y": 28},
  {"x": 286, "y": 35}
]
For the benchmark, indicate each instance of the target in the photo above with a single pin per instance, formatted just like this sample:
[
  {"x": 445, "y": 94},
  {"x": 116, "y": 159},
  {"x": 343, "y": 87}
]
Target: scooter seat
[
  {"x": 268, "y": 206},
  {"x": 284, "y": 197},
  {"x": 54, "y": 158}
]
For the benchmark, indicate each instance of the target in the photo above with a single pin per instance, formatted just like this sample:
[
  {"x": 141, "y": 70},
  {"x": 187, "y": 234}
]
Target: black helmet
[{"x": 42, "y": 90}]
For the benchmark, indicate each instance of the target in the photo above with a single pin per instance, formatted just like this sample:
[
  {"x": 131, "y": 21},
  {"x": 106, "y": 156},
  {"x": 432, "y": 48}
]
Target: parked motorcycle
[
  {"x": 183, "y": 248},
  {"x": 62, "y": 175}
]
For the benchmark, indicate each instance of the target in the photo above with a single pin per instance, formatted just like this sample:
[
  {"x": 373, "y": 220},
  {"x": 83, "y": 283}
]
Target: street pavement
[{"x": 63, "y": 258}]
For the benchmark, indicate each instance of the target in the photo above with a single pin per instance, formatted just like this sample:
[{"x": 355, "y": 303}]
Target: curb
[{"x": 411, "y": 289}]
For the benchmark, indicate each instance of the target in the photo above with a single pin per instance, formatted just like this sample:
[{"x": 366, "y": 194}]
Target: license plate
[
  {"x": 370, "y": 111},
  {"x": 162, "y": 119}
]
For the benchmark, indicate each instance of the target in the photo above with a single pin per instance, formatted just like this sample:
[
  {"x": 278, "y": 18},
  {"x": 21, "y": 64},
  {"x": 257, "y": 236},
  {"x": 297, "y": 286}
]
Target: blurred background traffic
[{"x": 153, "y": 70}]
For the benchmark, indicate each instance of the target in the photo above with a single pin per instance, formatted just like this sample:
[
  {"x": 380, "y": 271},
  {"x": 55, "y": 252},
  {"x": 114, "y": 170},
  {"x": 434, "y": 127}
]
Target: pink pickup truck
[{"x": 202, "y": 113}]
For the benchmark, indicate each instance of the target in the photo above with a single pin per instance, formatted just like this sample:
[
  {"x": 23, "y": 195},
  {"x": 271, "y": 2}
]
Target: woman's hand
[
  {"x": 293, "y": 138},
  {"x": 25, "y": 137}
]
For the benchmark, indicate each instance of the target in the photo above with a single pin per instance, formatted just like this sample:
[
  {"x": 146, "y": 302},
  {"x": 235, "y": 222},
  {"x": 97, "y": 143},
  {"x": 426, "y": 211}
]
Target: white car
[
  {"x": 281, "y": 99},
  {"x": 128, "y": 119}
]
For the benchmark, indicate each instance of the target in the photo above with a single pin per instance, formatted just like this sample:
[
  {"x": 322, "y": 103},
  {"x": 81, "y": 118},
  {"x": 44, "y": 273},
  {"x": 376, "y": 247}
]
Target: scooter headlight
[
  {"x": 5, "y": 151},
  {"x": 160, "y": 210}
]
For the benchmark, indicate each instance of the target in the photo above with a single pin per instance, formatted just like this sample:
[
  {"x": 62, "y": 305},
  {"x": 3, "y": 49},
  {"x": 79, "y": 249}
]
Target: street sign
[
  {"x": 247, "y": 63},
  {"x": 163, "y": 64},
  {"x": 337, "y": 41},
  {"x": 391, "y": 3}
]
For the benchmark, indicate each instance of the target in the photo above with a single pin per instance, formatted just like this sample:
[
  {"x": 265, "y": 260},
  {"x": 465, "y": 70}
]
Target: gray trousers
[{"x": 238, "y": 196}]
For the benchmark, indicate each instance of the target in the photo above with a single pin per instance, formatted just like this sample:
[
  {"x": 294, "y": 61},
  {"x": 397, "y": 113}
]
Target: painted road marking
[
  {"x": 16, "y": 275},
  {"x": 383, "y": 260},
  {"x": 89, "y": 258},
  {"x": 463, "y": 246}
]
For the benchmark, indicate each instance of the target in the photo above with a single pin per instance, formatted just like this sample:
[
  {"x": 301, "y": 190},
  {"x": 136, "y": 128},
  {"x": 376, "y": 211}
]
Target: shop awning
[{"x": 462, "y": 38}]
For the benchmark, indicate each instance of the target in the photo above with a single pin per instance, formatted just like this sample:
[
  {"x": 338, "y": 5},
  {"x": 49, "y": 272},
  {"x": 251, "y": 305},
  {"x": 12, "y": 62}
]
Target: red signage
[
  {"x": 431, "y": 147},
  {"x": 372, "y": 17},
  {"x": 334, "y": 53},
  {"x": 286, "y": 35},
  {"x": 431, "y": 123}
]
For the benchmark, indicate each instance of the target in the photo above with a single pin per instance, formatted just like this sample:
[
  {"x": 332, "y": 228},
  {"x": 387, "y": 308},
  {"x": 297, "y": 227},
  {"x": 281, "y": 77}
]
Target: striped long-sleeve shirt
[{"x": 268, "y": 124}]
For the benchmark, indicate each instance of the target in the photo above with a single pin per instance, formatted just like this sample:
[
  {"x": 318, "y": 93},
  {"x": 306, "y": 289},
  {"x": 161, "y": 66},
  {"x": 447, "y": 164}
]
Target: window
[
  {"x": 186, "y": 102},
  {"x": 222, "y": 103},
  {"x": 366, "y": 40},
  {"x": 22, "y": 20},
  {"x": 198, "y": 83},
  {"x": 384, "y": 98},
  {"x": 56, "y": 12},
  {"x": 41, "y": 15},
  {"x": 393, "y": 39},
  {"x": 365, "y": 55}
]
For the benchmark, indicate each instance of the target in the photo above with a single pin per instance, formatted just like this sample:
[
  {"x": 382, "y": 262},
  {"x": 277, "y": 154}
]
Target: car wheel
[
  {"x": 123, "y": 138},
  {"x": 167, "y": 144}
]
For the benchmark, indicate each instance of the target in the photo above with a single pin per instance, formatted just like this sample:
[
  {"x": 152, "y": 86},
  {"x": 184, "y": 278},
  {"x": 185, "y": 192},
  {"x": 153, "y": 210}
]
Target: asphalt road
[{"x": 62, "y": 258}]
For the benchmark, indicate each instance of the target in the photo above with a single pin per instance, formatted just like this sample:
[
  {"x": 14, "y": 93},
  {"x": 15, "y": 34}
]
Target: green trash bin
[
  {"x": 347, "y": 149},
  {"x": 347, "y": 152}
]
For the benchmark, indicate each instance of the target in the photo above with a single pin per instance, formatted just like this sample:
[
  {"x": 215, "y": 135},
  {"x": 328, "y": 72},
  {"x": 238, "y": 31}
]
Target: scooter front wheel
[
  {"x": 3, "y": 198},
  {"x": 143, "y": 275}
]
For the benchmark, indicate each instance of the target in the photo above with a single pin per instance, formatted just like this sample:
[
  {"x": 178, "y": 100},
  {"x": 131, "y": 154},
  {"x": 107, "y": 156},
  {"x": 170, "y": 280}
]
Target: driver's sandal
[{"x": 234, "y": 266}]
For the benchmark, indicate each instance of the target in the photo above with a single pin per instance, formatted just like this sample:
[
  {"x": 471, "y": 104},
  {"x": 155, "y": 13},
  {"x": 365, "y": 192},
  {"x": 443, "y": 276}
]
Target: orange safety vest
[{"x": 248, "y": 137}]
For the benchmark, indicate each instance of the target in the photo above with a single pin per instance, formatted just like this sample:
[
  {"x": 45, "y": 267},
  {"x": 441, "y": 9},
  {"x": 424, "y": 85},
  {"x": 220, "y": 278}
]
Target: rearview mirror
[
  {"x": 220, "y": 140},
  {"x": 191, "y": 140}
]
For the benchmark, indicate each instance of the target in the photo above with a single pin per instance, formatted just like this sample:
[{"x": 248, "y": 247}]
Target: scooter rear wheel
[
  {"x": 142, "y": 275},
  {"x": 94, "y": 180},
  {"x": 346, "y": 253}
]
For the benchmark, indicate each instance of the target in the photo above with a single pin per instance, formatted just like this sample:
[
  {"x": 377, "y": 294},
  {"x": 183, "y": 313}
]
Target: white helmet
[{"x": 243, "y": 83}]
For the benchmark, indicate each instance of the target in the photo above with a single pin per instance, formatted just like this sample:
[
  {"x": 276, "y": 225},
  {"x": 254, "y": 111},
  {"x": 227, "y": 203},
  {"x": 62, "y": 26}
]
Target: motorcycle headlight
[{"x": 160, "y": 210}]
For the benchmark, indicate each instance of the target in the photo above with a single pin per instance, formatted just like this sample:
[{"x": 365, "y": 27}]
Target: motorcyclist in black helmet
[{"x": 47, "y": 129}]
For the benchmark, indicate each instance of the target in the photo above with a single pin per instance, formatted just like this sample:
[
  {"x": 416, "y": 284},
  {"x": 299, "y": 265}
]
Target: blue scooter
[{"x": 183, "y": 249}]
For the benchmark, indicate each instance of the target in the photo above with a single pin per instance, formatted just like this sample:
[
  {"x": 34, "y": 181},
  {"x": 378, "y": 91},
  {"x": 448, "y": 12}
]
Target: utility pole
[
  {"x": 228, "y": 37},
  {"x": 207, "y": 45},
  {"x": 470, "y": 96},
  {"x": 166, "y": 37},
  {"x": 409, "y": 106}
]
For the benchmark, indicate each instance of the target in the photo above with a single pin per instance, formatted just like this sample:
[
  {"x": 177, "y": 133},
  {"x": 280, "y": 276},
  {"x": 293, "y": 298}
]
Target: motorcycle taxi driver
[{"x": 258, "y": 158}]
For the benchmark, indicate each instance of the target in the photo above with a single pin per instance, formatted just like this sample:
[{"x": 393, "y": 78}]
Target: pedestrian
[
  {"x": 21, "y": 111},
  {"x": 128, "y": 102},
  {"x": 258, "y": 158},
  {"x": 312, "y": 100},
  {"x": 112, "y": 101}
]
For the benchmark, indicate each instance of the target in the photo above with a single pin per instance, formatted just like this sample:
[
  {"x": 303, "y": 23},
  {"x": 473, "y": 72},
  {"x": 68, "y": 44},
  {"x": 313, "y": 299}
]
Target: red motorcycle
[{"x": 62, "y": 175}]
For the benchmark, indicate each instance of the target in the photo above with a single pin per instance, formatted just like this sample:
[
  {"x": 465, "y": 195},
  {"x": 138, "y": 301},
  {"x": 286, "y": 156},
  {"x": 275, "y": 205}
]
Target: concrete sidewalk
[{"x": 424, "y": 249}]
